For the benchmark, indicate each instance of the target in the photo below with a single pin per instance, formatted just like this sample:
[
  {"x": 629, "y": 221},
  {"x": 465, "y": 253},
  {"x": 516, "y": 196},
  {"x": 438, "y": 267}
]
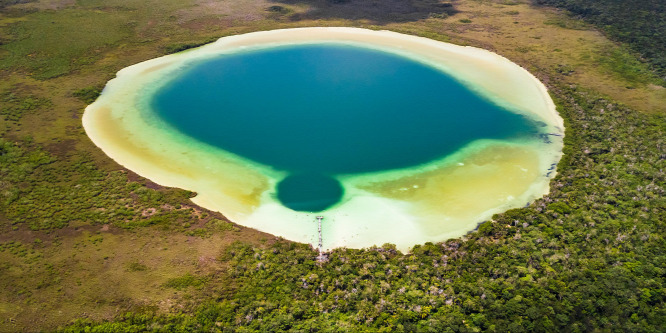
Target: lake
[
  {"x": 322, "y": 110},
  {"x": 391, "y": 138}
]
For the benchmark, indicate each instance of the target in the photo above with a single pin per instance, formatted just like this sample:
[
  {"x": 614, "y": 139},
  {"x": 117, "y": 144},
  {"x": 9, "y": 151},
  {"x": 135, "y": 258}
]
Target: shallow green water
[{"x": 319, "y": 111}]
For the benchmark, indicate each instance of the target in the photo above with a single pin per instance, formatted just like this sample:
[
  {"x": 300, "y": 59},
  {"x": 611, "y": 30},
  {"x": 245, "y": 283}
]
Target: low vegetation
[
  {"x": 639, "y": 23},
  {"x": 15, "y": 105},
  {"x": 42, "y": 193}
]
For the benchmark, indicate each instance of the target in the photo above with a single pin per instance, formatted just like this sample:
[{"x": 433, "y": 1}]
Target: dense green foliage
[
  {"x": 41, "y": 192},
  {"x": 174, "y": 48},
  {"x": 185, "y": 281},
  {"x": 587, "y": 257},
  {"x": 88, "y": 94},
  {"x": 640, "y": 23}
]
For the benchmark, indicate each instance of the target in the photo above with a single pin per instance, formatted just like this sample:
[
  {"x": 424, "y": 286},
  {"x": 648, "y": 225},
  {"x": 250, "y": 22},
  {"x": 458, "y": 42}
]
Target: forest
[{"x": 88, "y": 246}]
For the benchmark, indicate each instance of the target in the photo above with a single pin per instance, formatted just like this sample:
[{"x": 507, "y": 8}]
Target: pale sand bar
[{"x": 434, "y": 202}]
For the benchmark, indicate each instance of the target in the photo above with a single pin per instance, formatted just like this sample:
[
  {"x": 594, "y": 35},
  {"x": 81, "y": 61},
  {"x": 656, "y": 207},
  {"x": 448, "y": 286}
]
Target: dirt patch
[
  {"x": 62, "y": 148},
  {"x": 221, "y": 13},
  {"x": 148, "y": 212}
]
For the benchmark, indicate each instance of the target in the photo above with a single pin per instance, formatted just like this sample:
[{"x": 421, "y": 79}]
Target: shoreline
[{"x": 241, "y": 190}]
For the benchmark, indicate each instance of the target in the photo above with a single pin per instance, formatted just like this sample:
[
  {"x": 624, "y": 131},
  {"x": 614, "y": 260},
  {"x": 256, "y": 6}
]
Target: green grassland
[{"x": 86, "y": 245}]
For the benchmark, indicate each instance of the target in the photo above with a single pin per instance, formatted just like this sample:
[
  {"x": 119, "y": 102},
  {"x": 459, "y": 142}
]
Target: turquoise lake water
[{"x": 318, "y": 111}]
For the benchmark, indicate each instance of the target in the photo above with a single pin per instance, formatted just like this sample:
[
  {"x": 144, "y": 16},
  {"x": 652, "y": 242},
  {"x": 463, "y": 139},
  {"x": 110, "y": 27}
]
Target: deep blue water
[{"x": 322, "y": 110}]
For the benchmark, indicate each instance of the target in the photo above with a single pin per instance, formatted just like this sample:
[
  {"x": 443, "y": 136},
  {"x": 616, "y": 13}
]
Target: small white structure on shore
[{"x": 320, "y": 246}]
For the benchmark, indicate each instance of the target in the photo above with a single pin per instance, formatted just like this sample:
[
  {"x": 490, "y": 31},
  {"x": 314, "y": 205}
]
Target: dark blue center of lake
[{"x": 319, "y": 111}]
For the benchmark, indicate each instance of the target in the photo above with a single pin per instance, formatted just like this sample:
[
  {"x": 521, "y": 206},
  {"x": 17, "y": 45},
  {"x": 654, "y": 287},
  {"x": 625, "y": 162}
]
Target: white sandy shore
[{"x": 374, "y": 210}]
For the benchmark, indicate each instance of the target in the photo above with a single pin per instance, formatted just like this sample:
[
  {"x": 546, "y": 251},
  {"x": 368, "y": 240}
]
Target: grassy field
[{"x": 80, "y": 237}]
